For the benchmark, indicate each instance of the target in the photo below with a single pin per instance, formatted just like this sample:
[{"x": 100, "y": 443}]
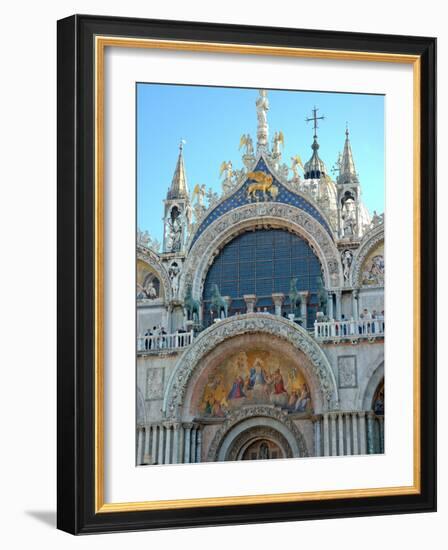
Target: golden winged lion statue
[{"x": 263, "y": 183}]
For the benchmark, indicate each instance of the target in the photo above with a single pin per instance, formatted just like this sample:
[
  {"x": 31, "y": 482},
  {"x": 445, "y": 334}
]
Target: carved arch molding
[
  {"x": 272, "y": 325},
  {"x": 368, "y": 243},
  {"x": 149, "y": 257},
  {"x": 260, "y": 215},
  {"x": 271, "y": 423}
]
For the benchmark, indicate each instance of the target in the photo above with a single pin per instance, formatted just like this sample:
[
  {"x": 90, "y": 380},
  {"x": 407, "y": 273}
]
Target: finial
[
  {"x": 346, "y": 129},
  {"x": 262, "y": 105},
  {"x": 181, "y": 145},
  {"x": 315, "y": 118}
]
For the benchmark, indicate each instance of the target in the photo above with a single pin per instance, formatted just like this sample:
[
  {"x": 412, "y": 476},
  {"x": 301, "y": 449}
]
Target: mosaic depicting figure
[
  {"x": 254, "y": 377},
  {"x": 373, "y": 268}
]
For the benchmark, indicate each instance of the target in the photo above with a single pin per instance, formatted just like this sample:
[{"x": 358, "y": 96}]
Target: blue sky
[{"x": 212, "y": 119}]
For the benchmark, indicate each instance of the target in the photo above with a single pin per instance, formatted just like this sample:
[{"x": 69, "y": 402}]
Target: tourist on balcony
[{"x": 148, "y": 334}]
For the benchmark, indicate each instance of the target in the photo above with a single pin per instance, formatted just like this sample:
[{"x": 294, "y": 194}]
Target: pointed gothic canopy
[
  {"x": 179, "y": 185},
  {"x": 347, "y": 171}
]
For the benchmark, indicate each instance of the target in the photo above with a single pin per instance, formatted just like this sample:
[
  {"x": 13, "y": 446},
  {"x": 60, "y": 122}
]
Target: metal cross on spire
[{"x": 315, "y": 118}]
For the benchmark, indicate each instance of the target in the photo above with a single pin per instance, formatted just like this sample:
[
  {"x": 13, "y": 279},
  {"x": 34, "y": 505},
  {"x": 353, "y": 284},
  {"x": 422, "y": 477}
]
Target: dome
[{"x": 315, "y": 168}]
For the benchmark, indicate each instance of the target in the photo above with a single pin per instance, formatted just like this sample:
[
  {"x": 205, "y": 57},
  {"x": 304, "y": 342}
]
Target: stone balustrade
[
  {"x": 333, "y": 330},
  {"x": 160, "y": 342}
]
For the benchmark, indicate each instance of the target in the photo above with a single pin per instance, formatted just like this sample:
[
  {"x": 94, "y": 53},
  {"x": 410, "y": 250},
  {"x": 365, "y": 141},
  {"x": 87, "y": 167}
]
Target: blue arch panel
[
  {"x": 239, "y": 198},
  {"x": 263, "y": 262}
]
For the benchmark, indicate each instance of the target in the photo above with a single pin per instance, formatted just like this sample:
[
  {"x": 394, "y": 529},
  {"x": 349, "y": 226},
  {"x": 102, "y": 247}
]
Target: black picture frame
[{"x": 76, "y": 480}]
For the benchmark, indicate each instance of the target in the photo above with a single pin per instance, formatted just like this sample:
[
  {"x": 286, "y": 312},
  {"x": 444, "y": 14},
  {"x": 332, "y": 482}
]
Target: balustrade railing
[
  {"x": 351, "y": 330},
  {"x": 158, "y": 342}
]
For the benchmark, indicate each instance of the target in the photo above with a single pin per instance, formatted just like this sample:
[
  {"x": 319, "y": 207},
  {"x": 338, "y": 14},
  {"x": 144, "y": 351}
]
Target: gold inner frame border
[{"x": 100, "y": 44}]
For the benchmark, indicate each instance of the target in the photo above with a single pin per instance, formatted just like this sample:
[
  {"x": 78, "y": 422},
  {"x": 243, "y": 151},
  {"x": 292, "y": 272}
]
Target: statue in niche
[
  {"x": 174, "y": 230},
  {"x": 348, "y": 218},
  {"x": 173, "y": 272},
  {"x": 347, "y": 258}
]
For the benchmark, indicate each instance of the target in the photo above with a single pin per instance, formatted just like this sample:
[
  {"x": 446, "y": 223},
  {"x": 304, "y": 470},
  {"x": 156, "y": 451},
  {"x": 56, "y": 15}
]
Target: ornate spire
[
  {"x": 262, "y": 104},
  {"x": 347, "y": 171},
  {"x": 179, "y": 186},
  {"x": 315, "y": 168}
]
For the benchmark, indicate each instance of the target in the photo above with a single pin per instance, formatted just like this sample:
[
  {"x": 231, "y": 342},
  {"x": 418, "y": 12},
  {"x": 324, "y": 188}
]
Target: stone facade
[{"x": 260, "y": 382}]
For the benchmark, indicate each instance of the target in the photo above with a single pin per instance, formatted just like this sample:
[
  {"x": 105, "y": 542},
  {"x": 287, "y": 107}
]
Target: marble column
[
  {"x": 370, "y": 433},
  {"x": 199, "y": 445},
  {"x": 348, "y": 439},
  {"x": 193, "y": 443},
  {"x": 326, "y": 435},
  {"x": 168, "y": 444},
  {"x": 250, "y": 300},
  {"x": 187, "y": 428},
  {"x": 355, "y": 433},
  {"x": 154, "y": 444},
  {"x": 140, "y": 435},
  {"x": 147, "y": 444},
  {"x": 340, "y": 434},
  {"x": 317, "y": 437},
  {"x": 381, "y": 425},
  {"x": 330, "y": 313},
  {"x": 161, "y": 444},
  {"x": 338, "y": 295},
  {"x": 355, "y": 310},
  {"x": 278, "y": 298},
  {"x": 334, "y": 443},
  {"x": 304, "y": 297},
  {"x": 181, "y": 443},
  {"x": 176, "y": 437},
  {"x": 362, "y": 433}
]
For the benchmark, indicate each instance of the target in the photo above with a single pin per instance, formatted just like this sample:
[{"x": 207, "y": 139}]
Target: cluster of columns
[
  {"x": 334, "y": 304},
  {"x": 348, "y": 433},
  {"x": 169, "y": 443},
  {"x": 278, "y": 299}
]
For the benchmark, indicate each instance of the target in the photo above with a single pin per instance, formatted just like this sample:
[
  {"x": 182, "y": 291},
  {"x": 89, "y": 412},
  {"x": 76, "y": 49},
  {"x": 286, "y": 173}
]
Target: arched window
[{"x": 263, "y": 262}]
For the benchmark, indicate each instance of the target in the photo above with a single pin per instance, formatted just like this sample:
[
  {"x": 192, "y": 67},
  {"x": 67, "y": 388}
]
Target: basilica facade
[{"x": 260, "y": 318}]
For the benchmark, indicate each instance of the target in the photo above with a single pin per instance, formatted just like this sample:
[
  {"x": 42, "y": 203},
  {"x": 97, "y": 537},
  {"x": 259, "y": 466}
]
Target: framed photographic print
[{"x": 246, "y": 268}]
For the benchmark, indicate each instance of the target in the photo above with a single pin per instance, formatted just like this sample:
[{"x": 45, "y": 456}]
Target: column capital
[
  {"x": 362, "y": 414},
  {"x": 188, "y": 425},
  {"x": 251, "y": 300},
  {"x": 278, "y": 297}
]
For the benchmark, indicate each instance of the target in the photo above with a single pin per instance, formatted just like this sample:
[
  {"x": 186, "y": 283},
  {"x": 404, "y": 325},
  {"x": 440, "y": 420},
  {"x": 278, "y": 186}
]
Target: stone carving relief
[
  {"x": 347, "y": 373},
  {"x": 244, "y": 324},
  {"x": 154, "y": 383}
]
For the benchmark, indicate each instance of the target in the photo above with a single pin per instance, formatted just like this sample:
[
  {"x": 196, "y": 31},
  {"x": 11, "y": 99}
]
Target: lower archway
[
  {"x": 246, "y": 429},
  {"x": 259, "y": 443}
]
